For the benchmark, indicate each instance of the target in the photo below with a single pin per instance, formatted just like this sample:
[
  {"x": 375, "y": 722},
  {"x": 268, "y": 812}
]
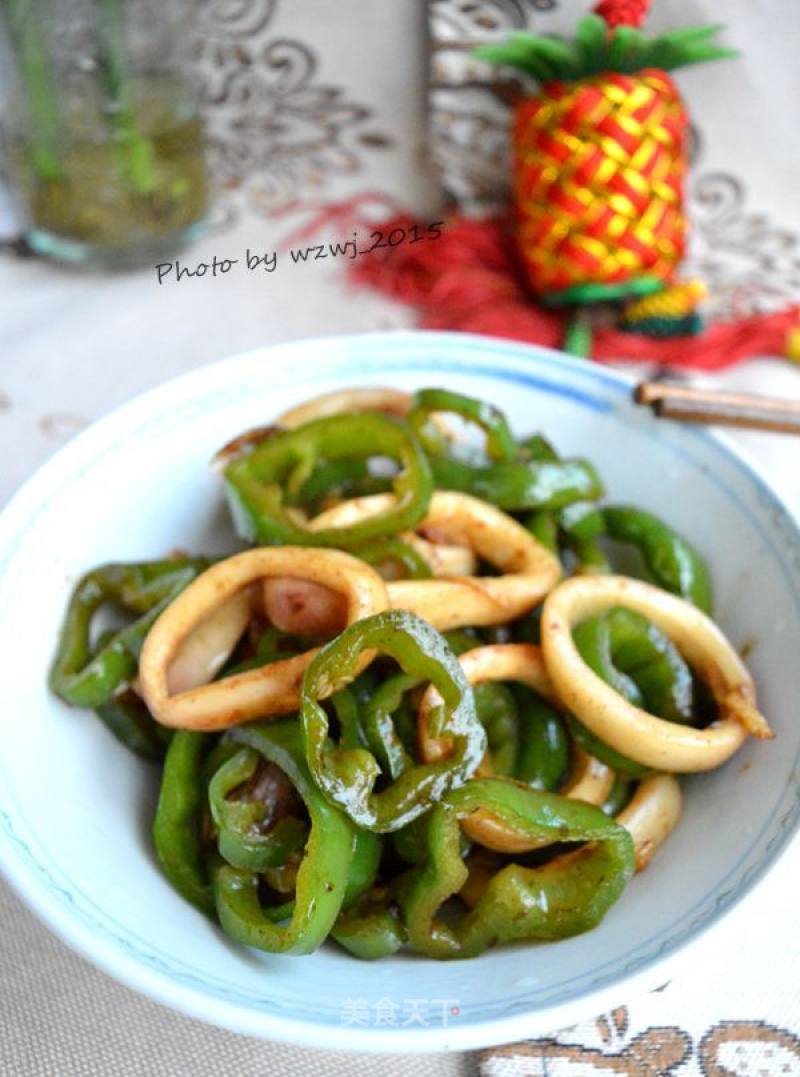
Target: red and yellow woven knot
[{"x": 599, "y": 168}]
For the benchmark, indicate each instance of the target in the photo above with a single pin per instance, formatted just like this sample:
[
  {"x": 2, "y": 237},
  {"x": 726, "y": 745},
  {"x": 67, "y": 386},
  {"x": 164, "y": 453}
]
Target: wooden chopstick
[{"x": 746, "y": 410}]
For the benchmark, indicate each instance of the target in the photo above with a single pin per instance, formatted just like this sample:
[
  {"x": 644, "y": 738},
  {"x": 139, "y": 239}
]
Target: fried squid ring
[
  {"x": 529, "y": 569},
  {"x": 207, "y": 648},
  {"x": 521, "y": 662},
  {"x": 257, "y": 693},
  {"x": 590, "y": 780},
  {"x": 652, "y": 815},
  {"x": 442, "y": 558},
  {"x": 390, "y": 401},
  {"x": 650, "y": 741}
]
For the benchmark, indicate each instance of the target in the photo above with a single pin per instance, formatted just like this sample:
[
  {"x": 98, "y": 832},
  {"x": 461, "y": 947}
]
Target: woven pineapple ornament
[{"x": 600, "y": 157}]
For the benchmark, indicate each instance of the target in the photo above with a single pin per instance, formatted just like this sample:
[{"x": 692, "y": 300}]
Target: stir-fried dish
[{"x": 420, "y": 709}]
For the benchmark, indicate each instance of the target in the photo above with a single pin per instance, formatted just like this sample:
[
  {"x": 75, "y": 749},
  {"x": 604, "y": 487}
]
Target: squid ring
[
  {"x": 390, "y": 401},
  {"x": 442, "y": 558},
  {"x": 651, "y": 741},
  {"x": 590, "y": 780},
  {"x": 529, "y": 569},
  {"x": 258, "y": 693},
  {"x": 521, "y": 662},
  {"x": 652, "y": 815},
  {"x": 207, "y": 648}
]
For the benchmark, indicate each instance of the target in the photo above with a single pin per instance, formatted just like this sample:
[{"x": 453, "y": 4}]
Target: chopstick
[{"x": 746, "y": 410}]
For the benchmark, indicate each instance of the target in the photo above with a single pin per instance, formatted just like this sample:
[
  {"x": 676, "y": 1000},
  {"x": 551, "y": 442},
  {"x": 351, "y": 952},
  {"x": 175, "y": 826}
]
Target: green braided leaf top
[{"x": 596, "y": 49}]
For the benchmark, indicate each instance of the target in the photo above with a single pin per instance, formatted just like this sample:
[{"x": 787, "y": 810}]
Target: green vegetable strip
[
  {"x": 84, "y": 679},
  {"x": 179, "y": 819},
  {"x": 254, "y": 481},
  {"x": 129, "y": 720},
  {"x": 413, "y": 565},
  {"x": 517, "y": 486},
  {"x": 637, "y": 660},
  {"x": 670, "y": 560},
  {"x": 323, "y": 875},
  {"x": 500, "y": 443},
  {"x": 566, "y": 896},
  {"x": 543, "y": 756},
  {"x": 240, "y": 839},
  {"x": 348, "y": 776}
]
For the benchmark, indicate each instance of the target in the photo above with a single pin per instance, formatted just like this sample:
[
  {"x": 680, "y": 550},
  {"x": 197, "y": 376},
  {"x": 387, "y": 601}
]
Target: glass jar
[{"x": 102, "y": 134}]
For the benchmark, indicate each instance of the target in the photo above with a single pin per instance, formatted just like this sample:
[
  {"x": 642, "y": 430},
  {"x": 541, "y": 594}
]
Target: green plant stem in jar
[{"x": 108, "y": 150}]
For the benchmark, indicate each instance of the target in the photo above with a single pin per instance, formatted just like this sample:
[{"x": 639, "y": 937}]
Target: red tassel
[{"x": 468, "y": 280}]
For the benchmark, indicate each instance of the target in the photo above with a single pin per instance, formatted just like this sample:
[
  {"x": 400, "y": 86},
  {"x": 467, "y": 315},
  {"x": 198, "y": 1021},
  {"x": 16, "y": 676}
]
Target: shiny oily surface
[{"x": 87, "y": 868}]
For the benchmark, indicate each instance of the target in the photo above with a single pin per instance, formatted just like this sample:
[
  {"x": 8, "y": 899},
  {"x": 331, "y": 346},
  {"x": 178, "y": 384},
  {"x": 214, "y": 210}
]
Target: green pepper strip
[
  {"x": 497, "y": 710},
  {"x": 543, "y": 756},
  {"x": 536, "y": 447},
  {"x": 241, "y": 839},
  {"x": 582, "y": 524},
  {"x": 381, "y": 720},
  {"x": 459, "y": 640},
  {"x": 637, "y": 660},
  {"x": 372, "y": 928},
  {"x": 579, "y": 524},
  {"x": 564, "y": 897},
  {"x": 621, "y": 792},
  {"x": 129, "y": 720},
  {"x": 84, "y": 679},
  {"x": 254, "y": 481},
  {"x": 344, "y": 478},
  {"x": 323, "y": 875},
  {"x": 514, "y": 486},
  {"x": 178, "y": 819},
  {"x": 500, "y": 444},
  {"x": 543, "y": 525},
  {"x": 413, "y": 563},
  {"x": 348, "y": 776},
  {"x": 626, "y": 647},
  {"x": 670, "y": 560},
  {"x": 273, "y": 645}
]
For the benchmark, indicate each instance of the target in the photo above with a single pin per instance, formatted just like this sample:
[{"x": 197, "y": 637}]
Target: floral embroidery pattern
[
  {"x": 275, "y": 132},
  {"x": 726, "y": 1049}
]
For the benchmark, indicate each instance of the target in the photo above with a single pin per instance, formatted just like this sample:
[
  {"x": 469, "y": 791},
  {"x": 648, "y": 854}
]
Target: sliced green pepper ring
[
  {"x": 85, "y": 678},
  {"x": 371, "y": 928},
  {"x": 640, "y": 662},
  {"x": 255, "y": 482},
  {"x": 500, "y": 444},
  {"x": 567, "y": 895},
  {"x": 348, "y": 776},
  {"x": 671, "y": 561},
  {"x": 241, "y": 839},
  {"x": 624, "y": 644},
  {"x": 131, "y": 723},
  {"x": 380, "y": 724},
  {"x": 323, "y": 875},
  {"x": 515, "y": 486},
  {"x": 179, "y": 816}
]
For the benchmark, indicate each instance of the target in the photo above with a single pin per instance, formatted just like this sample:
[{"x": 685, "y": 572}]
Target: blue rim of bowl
[{"x": 397, "y": 353}]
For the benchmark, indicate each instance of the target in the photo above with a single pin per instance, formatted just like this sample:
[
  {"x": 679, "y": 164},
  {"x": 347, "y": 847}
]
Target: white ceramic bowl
[{"x": 75, "y": 807}]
